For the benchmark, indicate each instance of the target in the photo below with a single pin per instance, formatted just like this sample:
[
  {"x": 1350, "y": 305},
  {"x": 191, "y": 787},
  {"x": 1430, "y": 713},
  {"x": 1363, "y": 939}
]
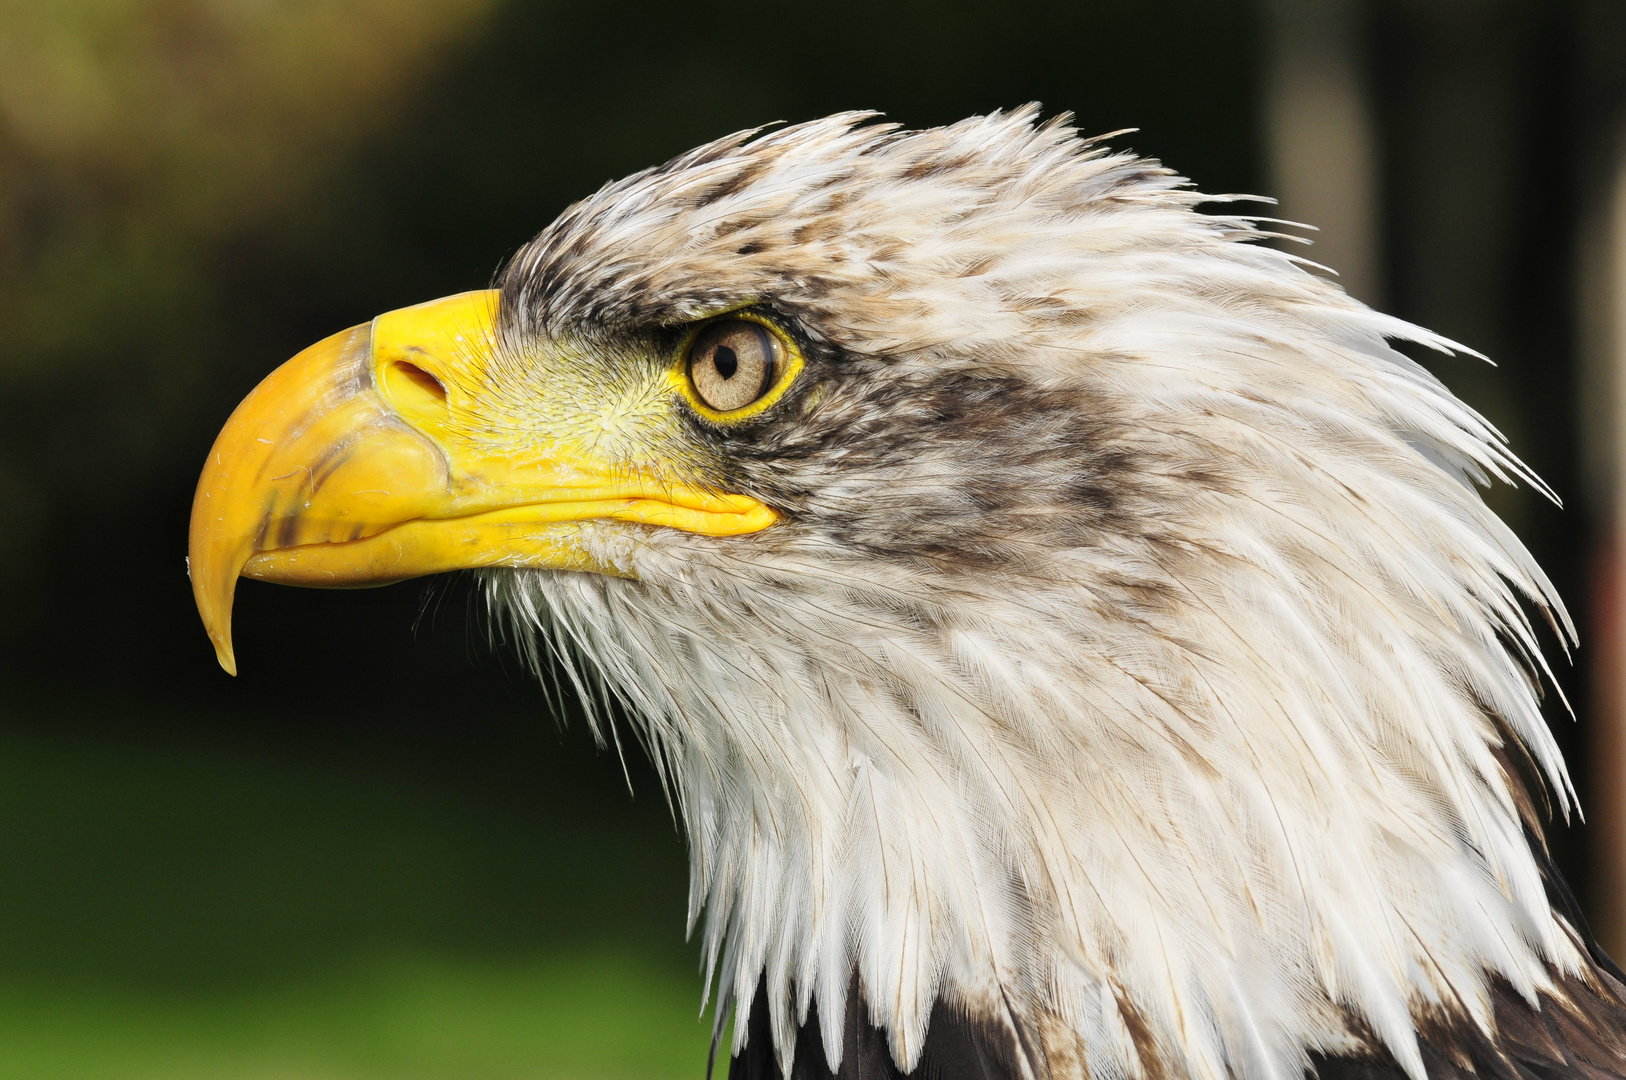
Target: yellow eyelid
[{"x": 678, "y": 374}]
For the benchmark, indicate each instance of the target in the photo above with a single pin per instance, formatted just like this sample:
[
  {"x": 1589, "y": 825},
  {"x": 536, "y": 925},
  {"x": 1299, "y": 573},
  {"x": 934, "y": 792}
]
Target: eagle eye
[{"x": 733, "y": 363}]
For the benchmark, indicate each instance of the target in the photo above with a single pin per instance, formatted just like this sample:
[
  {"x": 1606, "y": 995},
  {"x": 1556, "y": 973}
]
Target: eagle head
[{"x": 1070, "y": 630}]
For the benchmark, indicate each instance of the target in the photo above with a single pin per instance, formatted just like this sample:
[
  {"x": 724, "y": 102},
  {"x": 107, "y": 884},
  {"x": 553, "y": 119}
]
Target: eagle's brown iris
[{"x": 733, "y": 363}]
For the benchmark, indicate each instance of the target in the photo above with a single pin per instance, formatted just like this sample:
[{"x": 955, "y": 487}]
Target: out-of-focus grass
[
  {"x": 592, "y": 1014},
  {"x": 171, "y": 909}
]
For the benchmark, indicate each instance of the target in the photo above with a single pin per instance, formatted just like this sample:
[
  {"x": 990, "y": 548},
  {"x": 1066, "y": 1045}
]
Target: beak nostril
[{"x": 421, "y": 379}]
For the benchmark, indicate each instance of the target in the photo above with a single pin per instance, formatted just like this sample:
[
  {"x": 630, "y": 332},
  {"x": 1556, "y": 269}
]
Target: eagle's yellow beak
[{"x": 346, "y": 468}]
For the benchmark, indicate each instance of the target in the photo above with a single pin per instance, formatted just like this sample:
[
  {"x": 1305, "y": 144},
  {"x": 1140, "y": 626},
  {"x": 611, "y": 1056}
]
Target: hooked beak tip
[{"x": 212, "y": 592}]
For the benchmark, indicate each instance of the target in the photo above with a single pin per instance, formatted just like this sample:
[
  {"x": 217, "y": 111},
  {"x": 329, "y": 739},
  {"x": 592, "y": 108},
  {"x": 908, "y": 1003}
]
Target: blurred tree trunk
[
  {"x": 1600, "y": 60},
  {"x": 1320, "y": 136}
]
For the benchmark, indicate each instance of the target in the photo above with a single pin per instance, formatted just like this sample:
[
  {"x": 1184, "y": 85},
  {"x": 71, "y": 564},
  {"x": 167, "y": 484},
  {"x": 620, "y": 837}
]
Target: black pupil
[{"x": 726, "y": 361}]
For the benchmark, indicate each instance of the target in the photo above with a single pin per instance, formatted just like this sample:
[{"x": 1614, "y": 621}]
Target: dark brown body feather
[
  {"x": 1578, "y": 1036},
  {"x": 957, "y": 1048}
]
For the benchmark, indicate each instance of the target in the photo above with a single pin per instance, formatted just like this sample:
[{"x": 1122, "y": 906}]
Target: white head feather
[{"x": 1177, "y": 749}]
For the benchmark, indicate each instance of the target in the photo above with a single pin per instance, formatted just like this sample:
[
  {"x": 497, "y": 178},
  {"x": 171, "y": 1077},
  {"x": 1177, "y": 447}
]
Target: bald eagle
[{"x": 1070, "y": 631}]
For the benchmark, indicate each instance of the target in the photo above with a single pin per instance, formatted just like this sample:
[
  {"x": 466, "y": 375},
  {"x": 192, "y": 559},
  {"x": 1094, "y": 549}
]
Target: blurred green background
[{"x": 379, "y": 853}]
